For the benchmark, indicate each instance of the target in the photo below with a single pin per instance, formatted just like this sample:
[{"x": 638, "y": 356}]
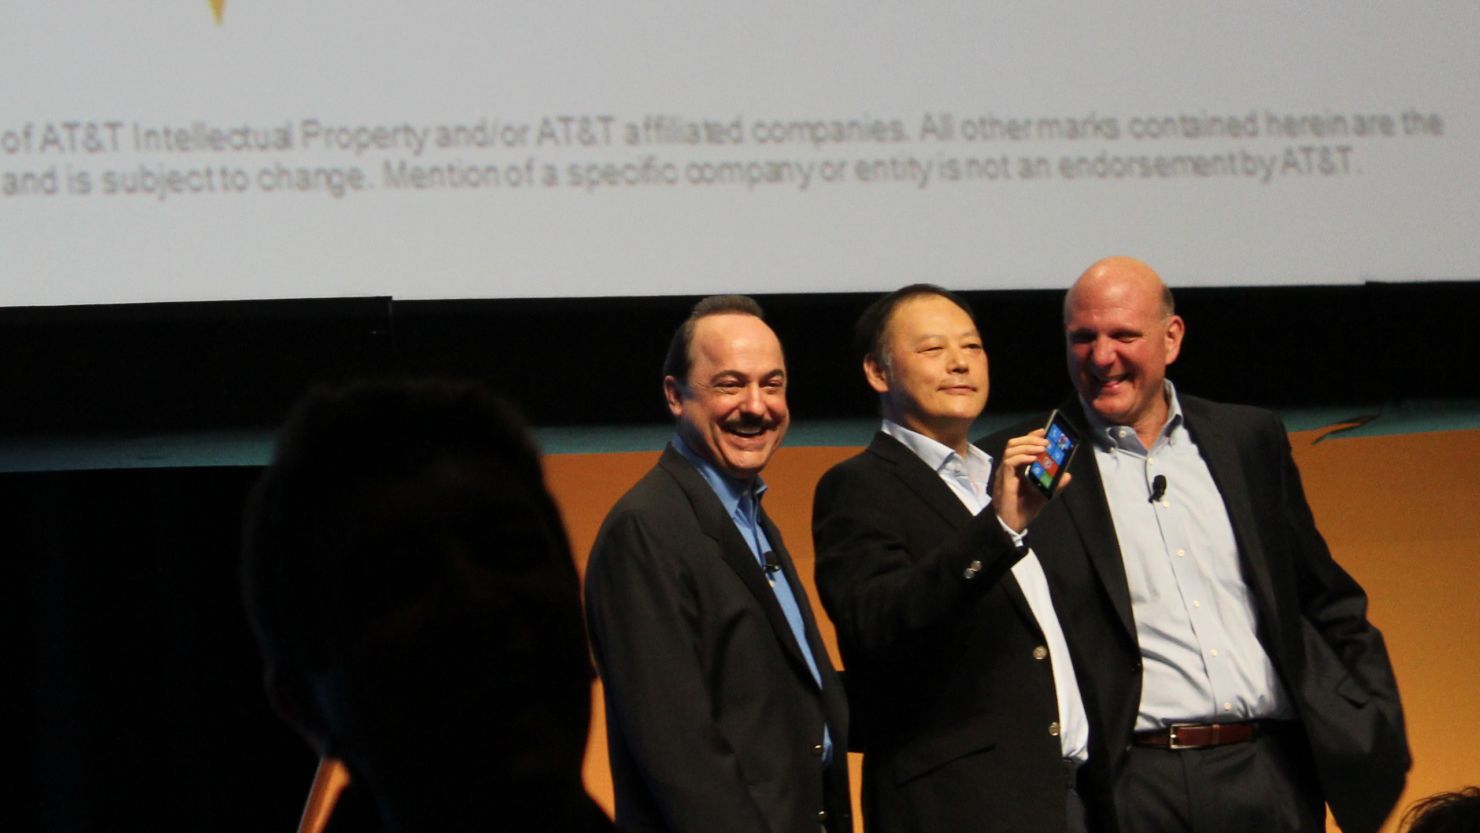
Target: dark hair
[
  {"x": 339, "y": 438},
  {"x": 1447, "y": 812},
  {"x": 679, "y": 359},
  {"x": 871, "y": 331}
]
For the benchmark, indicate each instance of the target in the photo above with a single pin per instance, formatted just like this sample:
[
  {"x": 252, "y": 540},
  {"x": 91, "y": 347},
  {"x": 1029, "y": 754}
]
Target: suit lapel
[
  {"x": 1084, "y": 502},
  {"x": 1227, "y": 469},
  {"x": 736, "y": 553},
  {"x": 804, "y": 606},
  {"x": 918, "y": 478},
  {"x": 925, "y": 483},
  {"x": 1086, "y": 505}
]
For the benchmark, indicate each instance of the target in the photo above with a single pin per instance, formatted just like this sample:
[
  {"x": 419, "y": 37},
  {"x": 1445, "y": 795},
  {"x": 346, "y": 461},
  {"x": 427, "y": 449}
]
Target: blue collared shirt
[
  {"x": 1195, "y": 618},
  {"x": 968, "y": 479},
  {"x": 742, "y": 502}
]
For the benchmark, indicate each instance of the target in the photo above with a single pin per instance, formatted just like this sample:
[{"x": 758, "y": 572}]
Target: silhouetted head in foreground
[
  {"x": 1448, "y": 812},
  {"x": 412, "y": 590}
]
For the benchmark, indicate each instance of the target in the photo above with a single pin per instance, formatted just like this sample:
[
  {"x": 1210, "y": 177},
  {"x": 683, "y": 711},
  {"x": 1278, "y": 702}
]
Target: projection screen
[{"x": 234, "y": 149}]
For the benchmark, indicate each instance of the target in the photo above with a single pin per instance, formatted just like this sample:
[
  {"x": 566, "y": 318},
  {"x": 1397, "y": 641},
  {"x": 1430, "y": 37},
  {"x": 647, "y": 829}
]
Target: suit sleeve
[
  {"x": 882, "y": 597},
  {"x": 1330, "y": 599},
  {"x": 1354, "y": 716},
  {"x": 642, "y": 616}
]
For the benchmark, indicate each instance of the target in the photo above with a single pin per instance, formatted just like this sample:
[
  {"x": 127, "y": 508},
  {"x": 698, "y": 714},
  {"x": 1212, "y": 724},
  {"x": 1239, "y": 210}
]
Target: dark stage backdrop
[
  {"x": 140, "y": 695},
  {"x": 571, "y": 361}
]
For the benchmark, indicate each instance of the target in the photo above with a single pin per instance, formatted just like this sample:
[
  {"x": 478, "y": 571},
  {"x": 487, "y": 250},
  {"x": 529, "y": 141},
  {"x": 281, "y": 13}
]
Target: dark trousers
[
  {"x": 1075, "y": 816},
  {"x": 1267, "y": 784}
]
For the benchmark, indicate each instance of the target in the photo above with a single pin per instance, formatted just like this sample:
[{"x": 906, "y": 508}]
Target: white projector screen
[{"x": 233, "y": 149}]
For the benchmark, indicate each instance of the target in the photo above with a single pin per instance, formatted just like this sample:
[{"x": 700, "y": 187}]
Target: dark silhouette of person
[{"x": 411, "y": 588}]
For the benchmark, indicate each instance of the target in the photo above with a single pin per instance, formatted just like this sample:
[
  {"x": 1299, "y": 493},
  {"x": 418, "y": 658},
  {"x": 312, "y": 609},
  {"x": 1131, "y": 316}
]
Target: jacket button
[
  {"x": 822, "y": 816},
  {"x": 1040, "y": 653},
  {"x": 1053, "y": 728},
  {"x": 817, "y": 751},
  {"x": 971, "y": 570}
]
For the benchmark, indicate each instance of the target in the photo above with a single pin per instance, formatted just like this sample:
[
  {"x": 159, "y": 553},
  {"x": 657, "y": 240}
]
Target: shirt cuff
[{"x": 1019, "y": 539}]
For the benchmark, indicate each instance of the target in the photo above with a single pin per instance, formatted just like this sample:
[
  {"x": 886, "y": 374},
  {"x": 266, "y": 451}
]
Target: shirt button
[
  {"x": 1196, "y": 603},
  {"x": 1181, "y": 553},
  {"x": 1228, "y": 707},
  {"x": 1214, "y": 652},
  {"x": 1053, "y": 728},
  {"x": 1040, "y": 653},
  {"x": 1120, "y": 433}
]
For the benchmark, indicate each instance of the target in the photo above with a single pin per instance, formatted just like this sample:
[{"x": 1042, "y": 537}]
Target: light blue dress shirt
[
  {"x": 1195, "y": 618},
  {"x": 968, "y": 479},
  {"x": 742, "y": 503}
]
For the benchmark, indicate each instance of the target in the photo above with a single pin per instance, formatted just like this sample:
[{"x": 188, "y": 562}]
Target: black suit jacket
[
  {"x": 951, "y": 688},
  {"x": 1312, "y": 615},
  {"x": 714, "y": 721}
]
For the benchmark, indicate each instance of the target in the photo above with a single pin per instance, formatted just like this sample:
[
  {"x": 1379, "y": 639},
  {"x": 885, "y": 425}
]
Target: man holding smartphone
[
  {"x": 962, "y": 694},
  {"x": 1236, "y": 681}
]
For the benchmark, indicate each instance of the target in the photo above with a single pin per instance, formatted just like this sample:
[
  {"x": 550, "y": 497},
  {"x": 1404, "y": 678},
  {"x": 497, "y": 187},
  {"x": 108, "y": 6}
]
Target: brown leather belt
[{"x": 1197, "y": 735}]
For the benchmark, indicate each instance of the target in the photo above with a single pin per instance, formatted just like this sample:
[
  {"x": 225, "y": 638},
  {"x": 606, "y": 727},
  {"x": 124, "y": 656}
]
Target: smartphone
[{"x": 1063, "y": 440}]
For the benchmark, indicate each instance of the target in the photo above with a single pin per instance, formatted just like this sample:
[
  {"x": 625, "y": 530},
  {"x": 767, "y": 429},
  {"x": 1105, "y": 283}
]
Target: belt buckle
[{"x": 1172, "y": 741}]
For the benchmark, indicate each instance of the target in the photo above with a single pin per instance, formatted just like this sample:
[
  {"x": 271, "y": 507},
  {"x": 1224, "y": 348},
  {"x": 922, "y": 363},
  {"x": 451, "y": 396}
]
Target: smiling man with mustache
[
  {"x": 964, "y": 699},
  {"x": 723, "y": 711}
]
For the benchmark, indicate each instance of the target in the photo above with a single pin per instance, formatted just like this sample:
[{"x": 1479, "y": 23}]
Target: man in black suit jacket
[
  {"x": 723, "y": 710},
  {"x": 962, "y": 691},
  {"x": 1237, "y": 684}
]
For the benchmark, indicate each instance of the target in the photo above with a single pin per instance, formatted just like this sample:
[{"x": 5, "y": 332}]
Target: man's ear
[
  {"x": 674, "y": 395},
  {"x": 877, "y": 377},
  {"x": 290, "y": 697},
  {"x": 1175, "y": 330}
]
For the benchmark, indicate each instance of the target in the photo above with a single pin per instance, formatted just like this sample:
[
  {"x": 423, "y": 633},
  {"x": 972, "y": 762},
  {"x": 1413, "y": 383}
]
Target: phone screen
[{"x": 1044, "y": 472}]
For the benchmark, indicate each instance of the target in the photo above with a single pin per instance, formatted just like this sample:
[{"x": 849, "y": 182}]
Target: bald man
[{"x": 1233, "y": 679}]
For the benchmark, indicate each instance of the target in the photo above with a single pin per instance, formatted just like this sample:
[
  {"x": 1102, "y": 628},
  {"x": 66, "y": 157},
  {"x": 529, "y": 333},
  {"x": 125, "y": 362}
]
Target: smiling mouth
[{"x": 749, "y": 430}]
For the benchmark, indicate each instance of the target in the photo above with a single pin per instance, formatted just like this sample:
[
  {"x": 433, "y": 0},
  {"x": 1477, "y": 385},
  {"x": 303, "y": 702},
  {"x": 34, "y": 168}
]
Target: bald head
[
  {"x": 1124, "y": 274},
  {"x": 1121, "y": 333}
]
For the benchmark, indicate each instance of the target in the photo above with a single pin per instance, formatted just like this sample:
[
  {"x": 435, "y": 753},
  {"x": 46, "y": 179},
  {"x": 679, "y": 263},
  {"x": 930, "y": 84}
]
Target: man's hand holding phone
[
  {"x": 1032, "y": 469},
  {"x": 1052, "y": 464}
]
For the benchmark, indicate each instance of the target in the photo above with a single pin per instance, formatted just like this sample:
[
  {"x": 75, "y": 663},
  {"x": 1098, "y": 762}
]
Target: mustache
[{"x": 749, "y": 421}]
